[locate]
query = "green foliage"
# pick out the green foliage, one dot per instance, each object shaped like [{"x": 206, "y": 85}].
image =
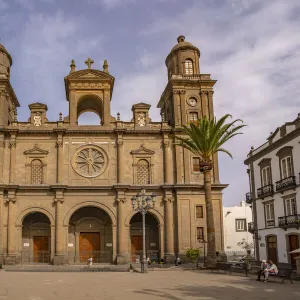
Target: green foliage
[
  {"x": 192, "y": 254},
  {"x": 207, "y": 137}
]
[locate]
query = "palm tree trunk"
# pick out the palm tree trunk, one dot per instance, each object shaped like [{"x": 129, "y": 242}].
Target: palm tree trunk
[{"x": 211, "y": 258}]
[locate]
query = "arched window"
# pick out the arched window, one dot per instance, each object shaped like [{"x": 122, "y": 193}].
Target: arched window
[
  {"x": 37, "y": 172},
  {"x": 188, "y": 65},
  {"x": 193, "y": 117},
  {"x": 143, "y": 172}
]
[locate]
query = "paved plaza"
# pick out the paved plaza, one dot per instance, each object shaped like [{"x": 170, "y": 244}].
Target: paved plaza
[{"x": 168, "y": 285}]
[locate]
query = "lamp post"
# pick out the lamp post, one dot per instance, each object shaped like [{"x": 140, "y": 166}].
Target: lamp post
[{"x": 143, "y": 204}]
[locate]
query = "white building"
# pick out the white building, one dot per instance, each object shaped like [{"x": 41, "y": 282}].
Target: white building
[
  {"x": 235, "y": 220},
  {"x": 273, "y": 170}
]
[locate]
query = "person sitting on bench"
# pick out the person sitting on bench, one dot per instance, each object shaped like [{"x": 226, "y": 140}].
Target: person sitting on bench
[
  {"x": 263, "y": 267},
  {"x": 271, "y": 270}
]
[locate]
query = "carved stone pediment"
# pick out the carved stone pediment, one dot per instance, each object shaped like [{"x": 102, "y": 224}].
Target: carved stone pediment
[
  {"x": 142, "y": 150},
  {"x": 36, "y": 150},
  {"x": 89, "y": 74}
]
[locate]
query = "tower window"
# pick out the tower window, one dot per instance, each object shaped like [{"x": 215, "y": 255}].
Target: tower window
[
  {"x": 143, "y": 172},
  {"x": 196, "y": 164},
  {"x": 36, "y": 172},
  {"x": 188, "y": 65},
  {"x": 193, "y": 116}
]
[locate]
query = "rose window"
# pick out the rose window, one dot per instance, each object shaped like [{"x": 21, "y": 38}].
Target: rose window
[{"x": 89, "y": 162}]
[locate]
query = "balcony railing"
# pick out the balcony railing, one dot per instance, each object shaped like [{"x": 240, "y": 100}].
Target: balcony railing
[
  {"x": 270, "y": 223},
  {"x": 265, "y": 191},
  {"x": 251, "y": 227},
  {"x": 248, "y": 198},
  {"x": 285, "y": 183},
  {"x": 289, "y": 221}
]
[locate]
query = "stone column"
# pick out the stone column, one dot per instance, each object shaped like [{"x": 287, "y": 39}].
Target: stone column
[
  {"x": 77, "y": 249},
  {"x": 177, "y": 109},
  {"x": 59, "y": 234},
  {"x": 2, "y": 145},
  {"x": 60, "y": 162},
  {"x": 183, "y": 108},
  {"x": 204, "y": 102},
  {"x": 106, "y": 108},
  {"x": 210, "y": 104},
  {"x": 120, "y": 161},
  {"x": 169, "y": 225},
  {"x": 122, "y": 256},
  {"x": 167, "y": 163},
  {"x": 11, "y": 229},
  {"x": 12, "y": 171},
  {"x": 3, "y": 108},
  {"x": 1, "y": 226}
]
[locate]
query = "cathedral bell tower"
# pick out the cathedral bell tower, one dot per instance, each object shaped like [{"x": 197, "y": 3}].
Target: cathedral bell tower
[
  {"x": 188, "y": 95},
  {"x": 8, "y": 99},
  {"x": 89, "y": 90}
]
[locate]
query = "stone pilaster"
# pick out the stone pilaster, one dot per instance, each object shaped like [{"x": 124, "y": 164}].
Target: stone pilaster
[
  {"x": 1, "y": 225},
  {"x": 177, "y": 110},
  {"x": 77, "y": 249},
  {"x": 11, "y": 229},
  {"x": 120, "y": 161},
  {"x": 204, "y": 101},
  {"x": 106, "y": 108},
  {"x": 122, "y": 242},
  {"x": 3, "y": 108},
  {"x": 183, "y": 107},
  {"x": 12, "y": 170},
  {"x": 210, "y": 104},
  {"x": 2, "y": 146},
  {"x": 167, "y": 160},
  {"x": 169, "y": 231},
  {"x": 60, "y": 161},
  {"x": 59, "y": 258}
]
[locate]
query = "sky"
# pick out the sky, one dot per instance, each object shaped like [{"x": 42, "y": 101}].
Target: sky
[{"x": 251, "y": 47}]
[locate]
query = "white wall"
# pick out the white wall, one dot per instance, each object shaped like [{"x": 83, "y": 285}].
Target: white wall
[{"x": 231, "y": 236}]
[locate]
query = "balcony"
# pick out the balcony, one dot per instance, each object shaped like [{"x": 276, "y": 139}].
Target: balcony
[
  {"x": 286, "y": 183},
  {"x": 248, "y": 198},
  {"x": 251, "y": 227},
  {"x": 289, "y": 221},
  {"x": 265, "y": 191},
  {"x": 270, "y": 223}
]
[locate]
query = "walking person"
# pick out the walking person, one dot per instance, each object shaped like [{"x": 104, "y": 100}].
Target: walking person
[{"x": 261, "y": 272}]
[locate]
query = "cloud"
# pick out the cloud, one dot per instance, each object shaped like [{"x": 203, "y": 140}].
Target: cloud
[
  {"x": 111, "y": 4},
  {"x": 3, "y": 5}
]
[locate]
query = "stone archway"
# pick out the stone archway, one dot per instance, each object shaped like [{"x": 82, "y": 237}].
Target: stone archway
[
  {"x": 153, "y": 237},
  {"x": 90, "y": 235},
  {"x": 36, "y": 238}
]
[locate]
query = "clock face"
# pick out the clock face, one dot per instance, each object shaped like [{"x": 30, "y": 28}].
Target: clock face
[{"x": 192, "y": 102}]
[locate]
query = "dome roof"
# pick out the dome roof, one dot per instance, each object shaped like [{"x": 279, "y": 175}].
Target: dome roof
[
  {"x": 182, "y": 44},
  {"x": 3, "y": 49}
]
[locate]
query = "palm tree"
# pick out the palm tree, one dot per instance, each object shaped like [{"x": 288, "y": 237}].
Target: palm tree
[{"x": 205, "y": 139}]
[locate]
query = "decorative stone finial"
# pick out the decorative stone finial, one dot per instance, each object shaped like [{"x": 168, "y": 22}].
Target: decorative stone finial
[
  {"x": 181, "y": 39},
  {"x": 118, "y": 116},
  {"x": 105, "y": 66},
  {"x": 252, "y": 148},
  {"x": 89, "y": 62},
  {"x": 271, "y": 133},
  {"x": 60, "y": 116},
  {"x": 72, "y": 66}
]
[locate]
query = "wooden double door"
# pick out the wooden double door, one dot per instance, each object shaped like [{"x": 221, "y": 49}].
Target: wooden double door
[
  {"x": 89, "y": 246},
  {"x": 293, "y": 245},
  {"x": 41, "y": 251},
  {"x": 136, "y": 246}
]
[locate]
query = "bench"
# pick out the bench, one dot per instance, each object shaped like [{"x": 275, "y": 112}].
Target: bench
[
  {"x": 283, "y": 274},
  {"x": 222, "y": 266}
]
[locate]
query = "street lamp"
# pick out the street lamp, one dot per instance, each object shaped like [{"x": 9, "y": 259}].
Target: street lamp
[
  {"x": 143, "y": 204},
  {"x": 204, "y": 242}
]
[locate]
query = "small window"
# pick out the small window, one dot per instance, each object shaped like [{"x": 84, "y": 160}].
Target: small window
[
  {"x": 266, "y": 176},
  {"x": 193, "y": 116},
  {"x": 196, "y": 164},
  {"x": 200, "y": 233},
  {"x": 240, "y": 224},
  {"x": 36, "y": 172},
  {"x": 290, "y": 207},
  {"x": 188, "y": 65},
  {"x": 286, "y": 167},
  {"x": 143, "y": 172},
  {"x": 199, "y": 212}
]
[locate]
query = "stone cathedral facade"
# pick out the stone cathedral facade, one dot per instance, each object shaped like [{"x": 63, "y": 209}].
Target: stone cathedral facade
[{"x": 66, "y": 189}]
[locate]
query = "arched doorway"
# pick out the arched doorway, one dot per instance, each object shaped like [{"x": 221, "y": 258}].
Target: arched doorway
[
  {"x": 293, "y": 244},
  {"x": 36, "y": 239},
  {"x": 90, "y": 236},
  {"x": 152, "y": 237},
  {"x": 272, "y": 248}
]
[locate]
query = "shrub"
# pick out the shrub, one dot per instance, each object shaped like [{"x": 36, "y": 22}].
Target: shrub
[{"x": 192, "y": 254}]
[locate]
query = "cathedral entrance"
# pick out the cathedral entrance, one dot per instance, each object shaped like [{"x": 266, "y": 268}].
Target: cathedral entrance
[
  {"x": 90, "y": 236},
  {"x": 152, "y": 237},
  {"x": 36, "y": 239}
]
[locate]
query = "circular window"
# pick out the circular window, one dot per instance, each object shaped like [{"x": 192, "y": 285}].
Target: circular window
[{"x": 89, "y": 162}]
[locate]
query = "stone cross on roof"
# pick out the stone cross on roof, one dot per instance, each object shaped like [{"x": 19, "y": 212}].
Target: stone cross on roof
[{"x": 89, "y": 62}]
